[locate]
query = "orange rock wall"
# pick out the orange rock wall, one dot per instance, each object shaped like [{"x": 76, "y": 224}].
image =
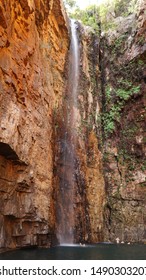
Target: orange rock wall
[
  {"x": 89, "y": 152},
  {"x": 33, "y": 47}
]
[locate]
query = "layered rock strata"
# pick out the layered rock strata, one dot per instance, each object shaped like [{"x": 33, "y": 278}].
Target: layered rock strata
[
  {"x": 123, "y": 65},
  {"x": 33, "y": 47}
]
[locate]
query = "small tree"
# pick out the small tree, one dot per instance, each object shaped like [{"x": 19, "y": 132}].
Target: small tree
[{"x": 70, "y": 3}]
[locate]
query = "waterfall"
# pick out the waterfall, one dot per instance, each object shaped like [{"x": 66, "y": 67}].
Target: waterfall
[
  {"x": 66, "y": 193},
  {"x": 74, "y": 70},
  {"x": 73, "y": 78}
]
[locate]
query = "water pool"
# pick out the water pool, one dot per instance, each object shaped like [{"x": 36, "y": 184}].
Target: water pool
[{"x": 77, "y": 252}]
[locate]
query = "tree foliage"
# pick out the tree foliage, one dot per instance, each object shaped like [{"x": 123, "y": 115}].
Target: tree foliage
[
  {"x": 105, "y": 13},
  {"x": 124, "y": 7},
  {"x": 89, "y": 16},
  {"x": 70, "y": 3}
]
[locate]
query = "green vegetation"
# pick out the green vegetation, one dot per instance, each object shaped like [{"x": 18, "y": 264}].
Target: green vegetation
[
  {"x": 112, "y": 114},
  {"x": 119, "y": 44},
  {"x": 101, "y": 18},
  {"x": 109, "y": 119},
  {"x": 141, "y": 63},
  {"x": 70, "y": 3},
  {"x": 124, "y": 7},
  {"x": 103, "y": 13},
  {"x": 141, "y": 40},
  {"x": 126, "y": 94}
]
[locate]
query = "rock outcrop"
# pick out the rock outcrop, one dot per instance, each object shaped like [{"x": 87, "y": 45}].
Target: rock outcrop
[
  {"x": 34, "y": 41},
  {"x": 124, "y": 89}
]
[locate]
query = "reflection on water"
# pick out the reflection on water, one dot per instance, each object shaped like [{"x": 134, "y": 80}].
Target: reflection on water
[{"x": 91, "y": 252}]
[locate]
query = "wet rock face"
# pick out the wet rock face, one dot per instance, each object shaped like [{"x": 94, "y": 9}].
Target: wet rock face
[
  {"x": 33, "y": 47},
  {"x": 89, "y": 191},
  {"x": 124, "y": 121},
  {"x": 90, "y": 166}
]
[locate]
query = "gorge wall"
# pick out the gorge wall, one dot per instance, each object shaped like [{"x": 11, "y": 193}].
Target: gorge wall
[
  {"x": 123, "y": 96},
  {"x": 89, "y": 188},
  {"x": 34, "y": 41},
  {"x": 34, "y": 73},
  {"x": 109, "y": 198}
]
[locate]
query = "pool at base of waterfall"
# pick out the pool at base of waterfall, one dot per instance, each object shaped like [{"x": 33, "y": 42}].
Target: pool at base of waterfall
[{"x": 80, "y": 252}]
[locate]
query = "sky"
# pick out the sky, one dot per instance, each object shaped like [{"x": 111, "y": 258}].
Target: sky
[{"x": 84, "y": 3}]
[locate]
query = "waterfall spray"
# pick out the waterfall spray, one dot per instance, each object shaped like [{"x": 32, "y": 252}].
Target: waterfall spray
[{"x": 65, "y": 213}]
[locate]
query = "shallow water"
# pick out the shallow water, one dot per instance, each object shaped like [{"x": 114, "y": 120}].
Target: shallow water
[{"x": 91, "y": 252}]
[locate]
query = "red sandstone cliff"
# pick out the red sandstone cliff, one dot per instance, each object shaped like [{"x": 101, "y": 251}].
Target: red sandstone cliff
[
  {"x": 124, "y": 69},
  {"x": 33, "y": 47}
]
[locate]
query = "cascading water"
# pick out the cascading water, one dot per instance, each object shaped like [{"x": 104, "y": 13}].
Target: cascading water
[{"x": 66, "y": 193}]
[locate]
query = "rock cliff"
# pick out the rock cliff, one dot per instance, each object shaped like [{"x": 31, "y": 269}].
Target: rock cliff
[
  {"x": 34, "y": 41},
  {"x": 89, "y": 187},
  {"x": 109, "y": 168},
  {"x": 34, "y": 73},
  {"x": 123, "y": 67}
]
